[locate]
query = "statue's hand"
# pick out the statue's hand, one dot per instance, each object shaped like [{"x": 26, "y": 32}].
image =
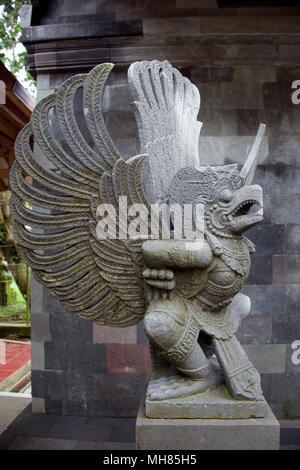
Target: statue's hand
[{"x": 159, "y": 279}]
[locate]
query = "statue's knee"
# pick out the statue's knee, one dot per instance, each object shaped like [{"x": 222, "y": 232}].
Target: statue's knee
[
  {"x": 161, "y": 329},
  {"x": 243, "y": 305}
]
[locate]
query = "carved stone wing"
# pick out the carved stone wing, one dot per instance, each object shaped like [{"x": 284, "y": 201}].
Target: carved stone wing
[
  {"x": 167, "y": 105},
  {"x": 54, "y": 204}
]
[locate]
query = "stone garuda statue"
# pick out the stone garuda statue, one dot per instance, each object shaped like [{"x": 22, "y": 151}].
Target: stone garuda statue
[{"x": 185, "y": 290}]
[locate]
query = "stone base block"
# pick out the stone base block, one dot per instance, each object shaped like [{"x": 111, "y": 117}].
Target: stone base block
[
  {"x": 216, "y": 403},
  {"x": 207, "y": 434}
]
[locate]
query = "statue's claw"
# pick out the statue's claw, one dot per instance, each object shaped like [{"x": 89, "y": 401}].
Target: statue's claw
[
  {"x": 171, "y": 384},
  {"x": 159, "y": 278},
  {"x": 160, "y": 282},
  {"x": 161, "y": 274},
  {"x": 247, "y": 385}
]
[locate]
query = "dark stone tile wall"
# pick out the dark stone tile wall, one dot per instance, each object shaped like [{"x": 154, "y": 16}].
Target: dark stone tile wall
[{"x": 244, "y": 79}]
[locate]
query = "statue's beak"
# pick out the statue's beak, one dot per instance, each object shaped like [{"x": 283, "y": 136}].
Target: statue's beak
[{"x": 248, "y": 170}]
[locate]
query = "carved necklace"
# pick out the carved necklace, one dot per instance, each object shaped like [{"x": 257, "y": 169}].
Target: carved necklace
[{"x": 237, "y": 261}]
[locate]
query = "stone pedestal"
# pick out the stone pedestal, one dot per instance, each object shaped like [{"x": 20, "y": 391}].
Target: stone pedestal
[
  {"x": 216, "y": 403},
  {"x": 207, "y": 434}
]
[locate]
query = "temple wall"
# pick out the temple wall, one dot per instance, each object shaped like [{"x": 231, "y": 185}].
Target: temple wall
[{"x": 244, "y": 61}]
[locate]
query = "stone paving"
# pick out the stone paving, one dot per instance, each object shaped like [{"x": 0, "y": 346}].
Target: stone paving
[
  {"x": 13, "y": 355},
  {"x": 31, "y": 431},
  {"x": 53, "y": 432}
]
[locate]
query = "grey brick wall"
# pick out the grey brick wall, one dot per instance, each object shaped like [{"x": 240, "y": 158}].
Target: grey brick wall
[{"x": 244, "y": 78}]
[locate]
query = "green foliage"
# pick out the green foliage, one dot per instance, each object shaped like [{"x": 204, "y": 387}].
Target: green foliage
[
  {"x": 12, "y": 53},
  {"x": 11, "y": 252},
  {"x": 13, "y": 256},
  {"x": 2, "y": 234}
]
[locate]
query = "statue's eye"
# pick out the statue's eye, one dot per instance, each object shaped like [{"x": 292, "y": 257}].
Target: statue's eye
[{"x": 226, "y": 195}]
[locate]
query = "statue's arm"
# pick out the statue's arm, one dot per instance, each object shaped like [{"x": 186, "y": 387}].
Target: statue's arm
[
  {"x": 179, "y": 254},
  {"x": 162, "y": 256}
]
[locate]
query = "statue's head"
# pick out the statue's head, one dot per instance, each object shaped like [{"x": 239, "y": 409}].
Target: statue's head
[
  {"x": 232, "y": 204},
  {"x": 234, "y": 210}
]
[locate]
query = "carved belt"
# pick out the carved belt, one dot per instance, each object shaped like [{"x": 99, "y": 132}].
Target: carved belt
[{"x": 224, "y": 291}]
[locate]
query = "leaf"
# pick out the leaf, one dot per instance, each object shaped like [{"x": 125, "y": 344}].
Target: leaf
[{"x": 10, "y": 31}]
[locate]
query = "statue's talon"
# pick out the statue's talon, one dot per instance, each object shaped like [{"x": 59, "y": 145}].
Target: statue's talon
[
  {"x": 177, "y": 385},
  {"x": 247, "y": 386}
]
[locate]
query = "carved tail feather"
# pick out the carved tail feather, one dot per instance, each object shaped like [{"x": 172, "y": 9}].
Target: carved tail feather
[
  {"x": 167, "y": 106},
  {"x": 241, "y": 377}
]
